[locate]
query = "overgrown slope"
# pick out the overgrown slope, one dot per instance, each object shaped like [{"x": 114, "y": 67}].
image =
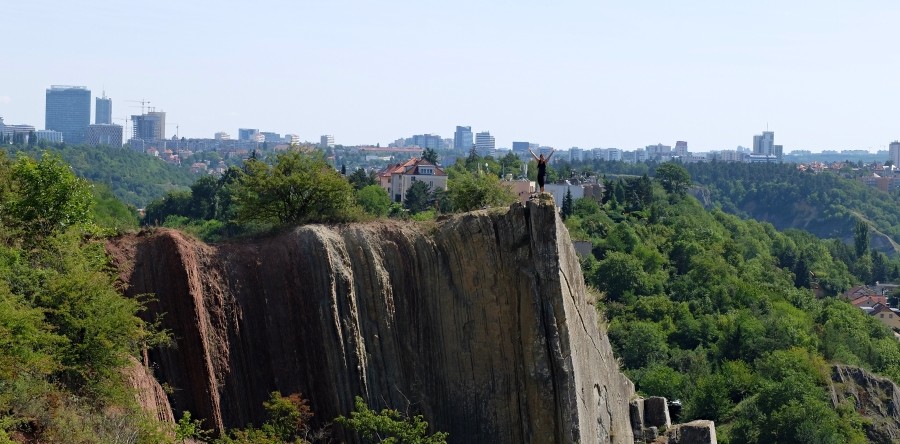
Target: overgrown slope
[{"x": 720, "y": 313}]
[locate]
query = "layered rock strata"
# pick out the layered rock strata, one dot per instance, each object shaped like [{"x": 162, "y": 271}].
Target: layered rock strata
[{"x": 481, "y": 323}]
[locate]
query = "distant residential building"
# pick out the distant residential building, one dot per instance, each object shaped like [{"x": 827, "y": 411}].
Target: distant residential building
[
  {"x": 431, "y": 141},
  {"x": 271, "y": 137},
  {"x": 894, "y": 152},
  {"x": 105, "y": 134},
  {"x": 640, "y": 155},
  {"x": 248, "y": 134},
  {"x": 103, "y": 110},
  {"x": 48, "y": 136},
  {"x": 149, "y": 127},
  {"x": 222, "y": 135},
  {"x": 16, "y": 133},
  {"x": 521, "y": 148},
  {"x": 887, "y": 315},
  {"x": 68, "y": 110},
  {"x": 292, "y": 139},
  {"x": 559, "y": 190},
  {"x": 326, "y": 141},
  {"x": 396, "y": 179},
  {"x": 613, "y": 154},
  {"x": 764, "y": 145},
  {"x": 681, "y": 148},
  {"x": 484, "y": 143},
  {"x": 659, "y": 151},
  {"x": 522, "y": 188},
  {"x": 462, "y": 138},
  {"x": 576, "y": 154}
]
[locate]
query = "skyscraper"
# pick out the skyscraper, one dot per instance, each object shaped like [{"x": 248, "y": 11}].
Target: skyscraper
[
  {"x": 462, "y": 138},
  {"x": 894, "y": 150},
  {"x": 150, "y": 126},
  {"x": 764, "y": 144},
  {"x": 103, "y": 111},
  {"x": 326, "y": 141},
  {"x": 104, "y": 134},
  {"x": 484, "y": 143},
  {"x": 68, "y": 110}
]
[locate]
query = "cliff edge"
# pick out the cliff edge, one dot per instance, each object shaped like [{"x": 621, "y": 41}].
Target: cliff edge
[{"x": 480, "y": 323}]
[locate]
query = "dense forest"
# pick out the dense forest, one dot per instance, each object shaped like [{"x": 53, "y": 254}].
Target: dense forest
[
  {"x": 720, "y": 312},
  {"x": 825, "y": 204},
  {"x": 133, "y": 177}
]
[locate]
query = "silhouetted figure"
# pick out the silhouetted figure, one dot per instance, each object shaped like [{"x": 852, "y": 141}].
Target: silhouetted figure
[{"x": 542, "y": 166}]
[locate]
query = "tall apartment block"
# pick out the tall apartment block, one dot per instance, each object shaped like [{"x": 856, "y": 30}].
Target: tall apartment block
[
  {"x": 894, "y": 151},
  {"x": 484, "y": 143},
  {"x": 68, "y": 110},
  {"x": 150, "y": 126},
  {"x": 462, "y": 138},
  {"x": 103, "y": 110}
]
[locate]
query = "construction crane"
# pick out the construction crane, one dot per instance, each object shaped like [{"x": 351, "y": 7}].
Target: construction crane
[
  {"x": 142, "y": 102},
  {"x": 176, "y": 129},
  {"x": 125, "y": 134}
]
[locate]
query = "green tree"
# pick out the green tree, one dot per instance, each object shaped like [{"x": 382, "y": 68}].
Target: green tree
[
  {"x": 674, "y": 178},
  {"x": 299, "y": 188},
  {"x": 374, "y": 200},
  {"x": 389, "y": 426},
  {"x": 510, "y": 164},
  {"x": 186, "y": 428},
  {"x": 567, "y": 204},
  {"x": 48, "y": 196},
  {"x": 430, "y": 155},
  {"x": 288, "y": 415},
  {"x": 360, "y": 179},
  {"x": 471, "y": 191},
  {"x": 418, "y": 197},
  {"x": 861, "y": 238}
]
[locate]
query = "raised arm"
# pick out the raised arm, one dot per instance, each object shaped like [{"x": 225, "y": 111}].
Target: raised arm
[
  {"x": 551, "y": 154},
  {"x": 532, "y": 155}
]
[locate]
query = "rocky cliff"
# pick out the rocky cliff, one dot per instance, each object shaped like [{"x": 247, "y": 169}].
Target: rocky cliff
[
  {"x": 480, "y": 322},
  {"x": 875, "y": 398}
]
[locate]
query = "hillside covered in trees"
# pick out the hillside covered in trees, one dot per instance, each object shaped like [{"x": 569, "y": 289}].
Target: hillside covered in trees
[
  {"x": 824, "y": 204},
  {"x": 721, "y": 313},
  {"x": 133, "y": 177}
]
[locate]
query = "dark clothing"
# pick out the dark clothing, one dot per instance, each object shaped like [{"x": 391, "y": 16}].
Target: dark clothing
[{"x": 542, "y": 172}]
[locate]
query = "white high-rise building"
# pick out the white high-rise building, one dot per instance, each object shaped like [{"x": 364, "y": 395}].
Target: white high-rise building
[
  {"x": 484, "y": 143},
  {"x": 894, "y": 151},
  {"x": 326, "y": 141},
  {"x": 222, "y": 135}
]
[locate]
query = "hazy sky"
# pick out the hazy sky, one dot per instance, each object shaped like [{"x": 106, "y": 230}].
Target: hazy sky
[{"x": 822, "y": 74}]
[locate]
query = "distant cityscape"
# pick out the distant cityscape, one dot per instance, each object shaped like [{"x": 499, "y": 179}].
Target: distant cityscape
[{"x": 68, "y": 115}]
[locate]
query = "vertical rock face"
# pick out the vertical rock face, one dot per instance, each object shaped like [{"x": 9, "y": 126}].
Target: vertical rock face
[
  {"x": 874, "y": 397},
  {"x": 480, "y": 323}
]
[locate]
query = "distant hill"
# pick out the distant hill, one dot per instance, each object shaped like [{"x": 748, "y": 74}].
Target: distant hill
[
  {"x": 135, "y": 178},
  {"x": 824, "y": 204}
]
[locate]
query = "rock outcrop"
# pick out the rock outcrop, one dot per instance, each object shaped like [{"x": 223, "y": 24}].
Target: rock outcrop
[
  {"x": 481, "y": 323},
  {"x": 873, "y": 397}
]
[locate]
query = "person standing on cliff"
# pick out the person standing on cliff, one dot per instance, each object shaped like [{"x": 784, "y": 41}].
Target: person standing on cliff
[{"x": 542, "y": 166}]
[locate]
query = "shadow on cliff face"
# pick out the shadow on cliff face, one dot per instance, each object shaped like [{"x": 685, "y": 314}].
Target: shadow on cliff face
[{"x": 481, "y": 325}]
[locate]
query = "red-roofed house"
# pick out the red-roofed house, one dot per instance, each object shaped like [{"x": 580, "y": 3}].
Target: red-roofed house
[
  {"x": 858, "y": 292},
  {"x": 888, "y": 316},
  {"x": 869, "y": 301},
  {"x": 397, "y": 178}
]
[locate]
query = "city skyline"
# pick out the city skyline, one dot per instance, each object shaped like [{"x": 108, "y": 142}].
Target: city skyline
[{"x": 580, "y": 74}]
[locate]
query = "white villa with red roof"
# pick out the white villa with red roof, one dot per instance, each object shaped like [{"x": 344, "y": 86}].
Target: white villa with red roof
[{"x": 396, "y": 179}]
